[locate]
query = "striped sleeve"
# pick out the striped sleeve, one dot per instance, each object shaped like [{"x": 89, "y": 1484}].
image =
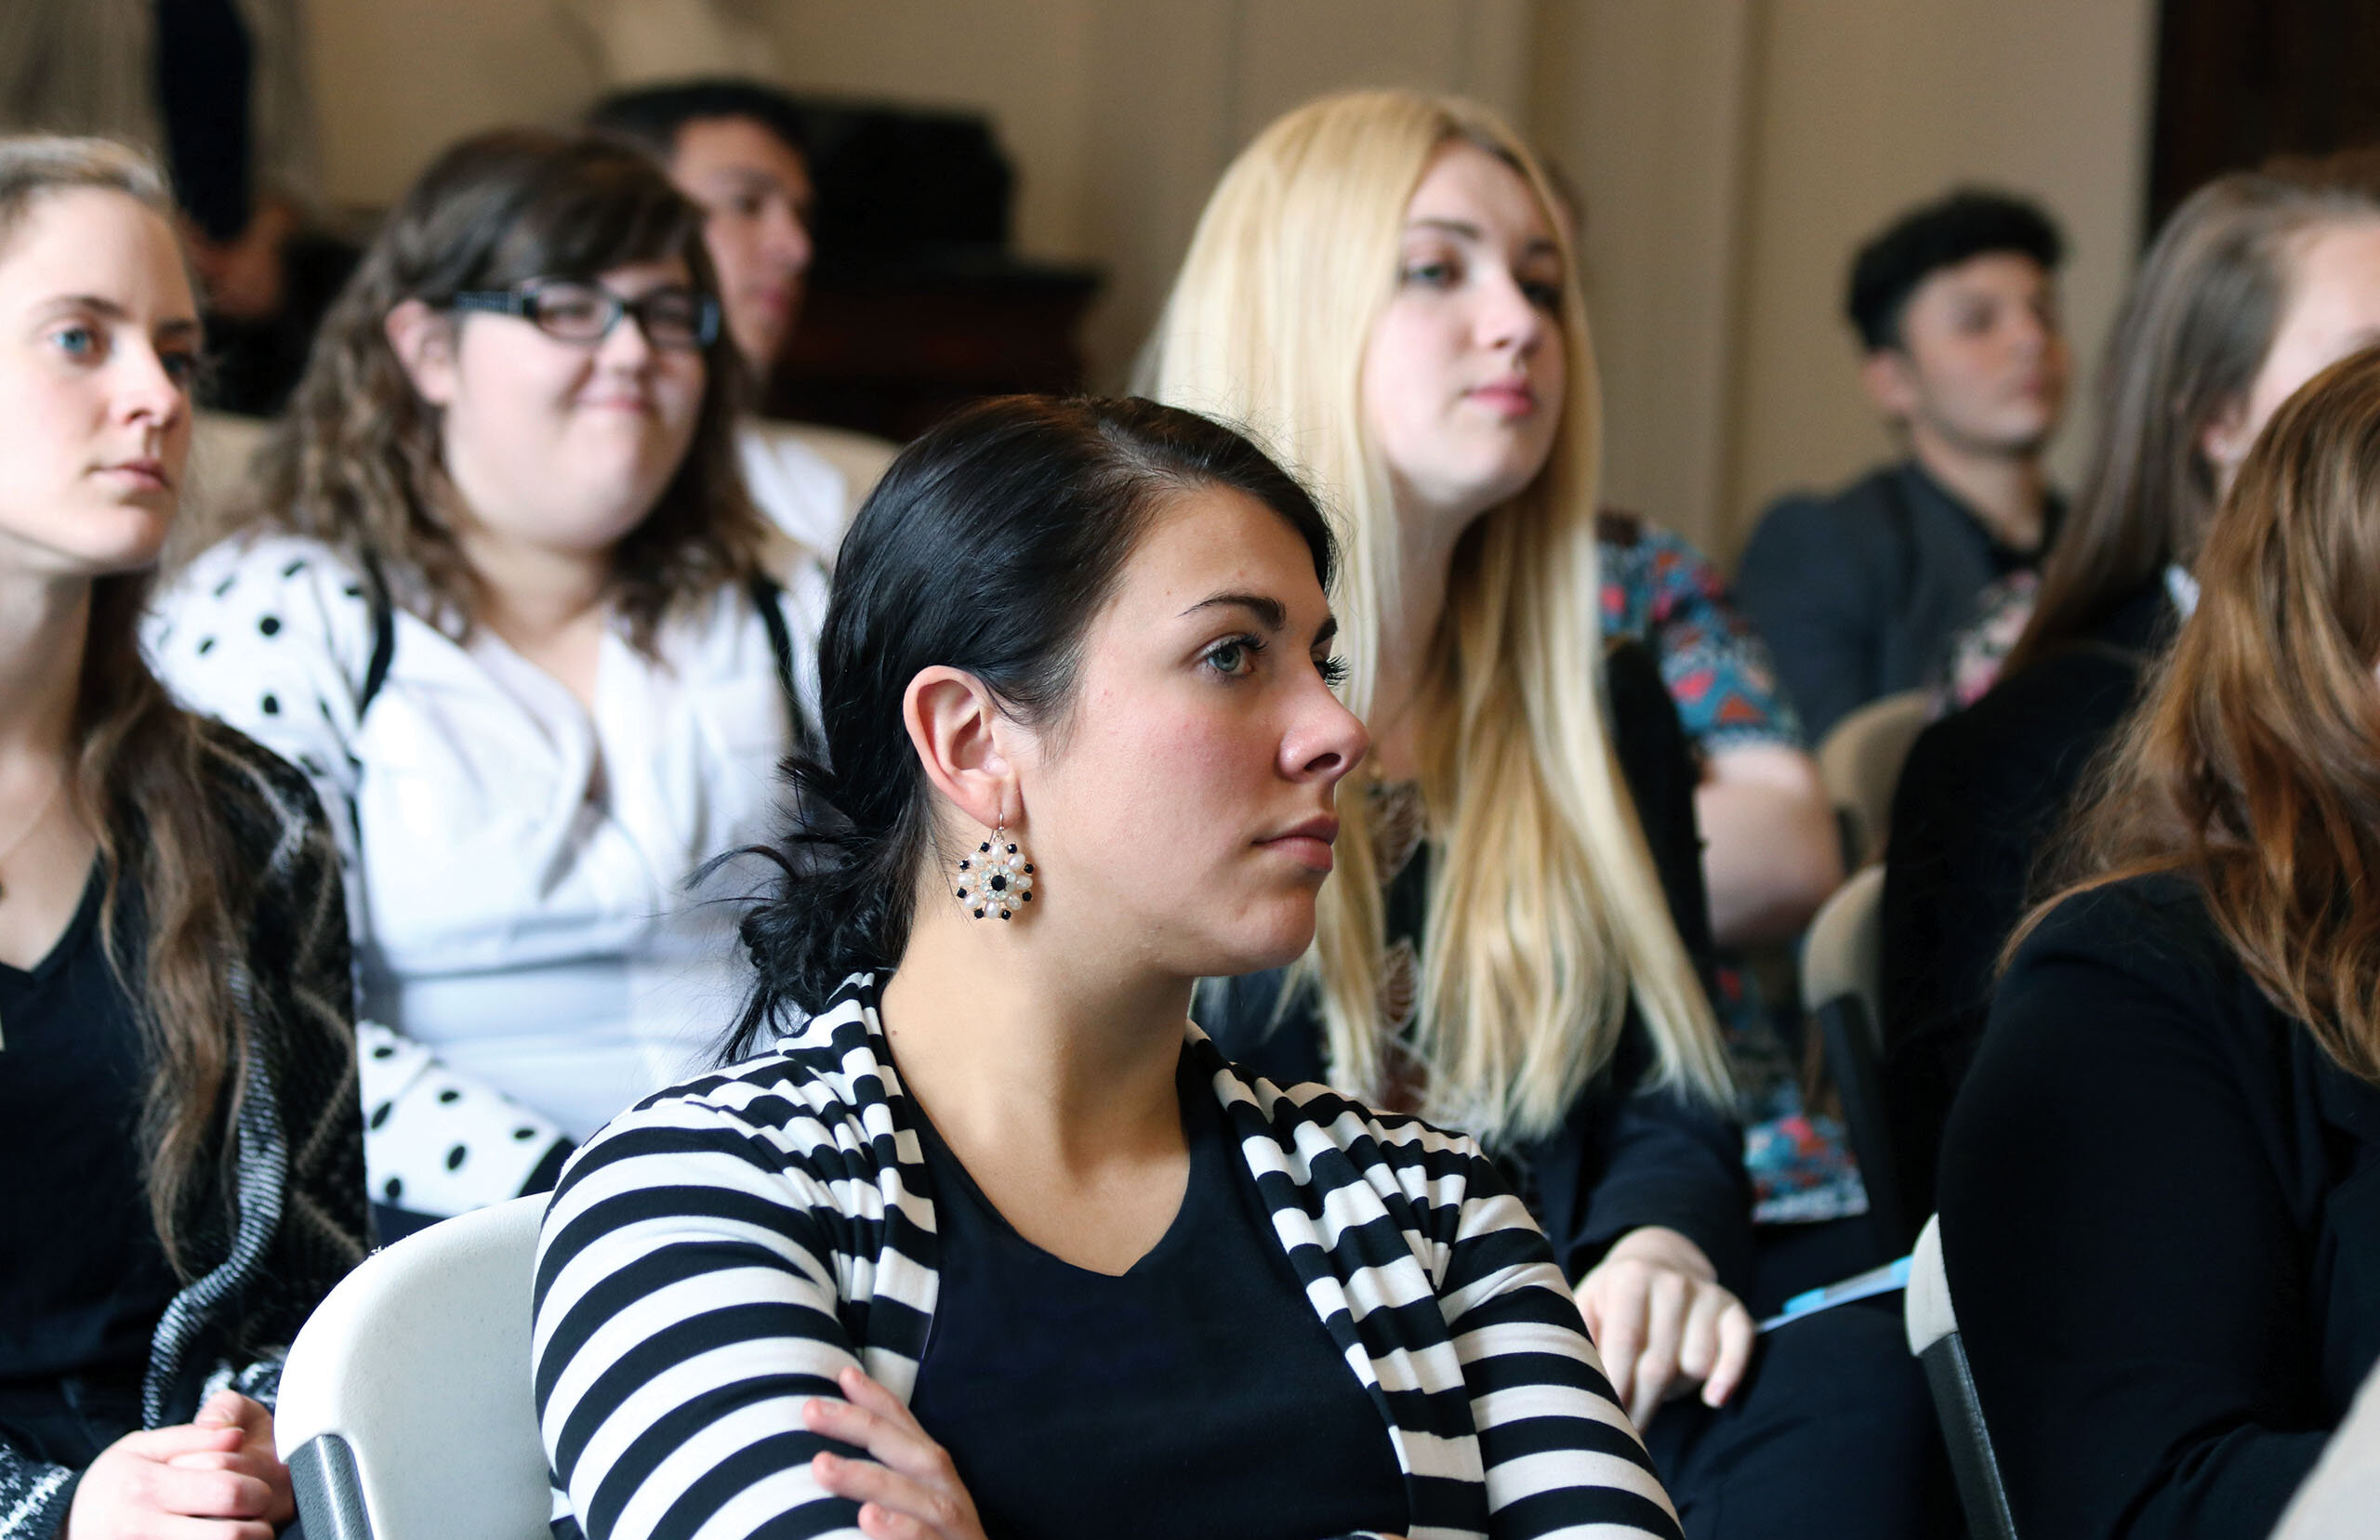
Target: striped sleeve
[
  {"x": 1561, "y": 1456},
  {"x": 685, "y": 1309}
]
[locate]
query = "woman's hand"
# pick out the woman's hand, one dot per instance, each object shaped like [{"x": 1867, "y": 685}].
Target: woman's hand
[
  {"x": 1661, "y": 1323},
  {"x": 202, "y": 1481},
  {"x": 254, "y": 1456},
  {"x": 909, "y": 1490}
]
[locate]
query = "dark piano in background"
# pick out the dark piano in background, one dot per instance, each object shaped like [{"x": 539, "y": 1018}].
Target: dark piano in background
[{"x": 917, "y": 304}]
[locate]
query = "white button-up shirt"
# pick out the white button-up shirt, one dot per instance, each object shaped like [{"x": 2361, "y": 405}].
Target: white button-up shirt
[{"x": 518, "y": 862}]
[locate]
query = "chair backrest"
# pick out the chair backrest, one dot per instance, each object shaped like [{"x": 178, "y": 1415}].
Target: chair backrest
[
  {"x": 1860, "y": 762},
  {"x": 1843, "y": 954},
  {"x": 405, "y": 1409},
  {"x": 2339, "y": 1496},
  {"x": 1840, "y": 993},
  {"x": 1934, "y": 1337}
]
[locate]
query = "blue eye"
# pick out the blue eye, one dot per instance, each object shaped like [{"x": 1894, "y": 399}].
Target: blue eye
[
  {"x": 1235, "y": 657},
  {"x": 1435, "y": 275},
  {"x": 180, "y": 367},
  {"x": 76, "y": 341}
]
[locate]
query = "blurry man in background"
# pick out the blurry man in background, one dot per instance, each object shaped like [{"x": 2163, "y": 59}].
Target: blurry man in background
[
  {"x": 736, "y": 148},
  {"x": 1858, "y": 594},
  {"x": 217, "y": 91}
]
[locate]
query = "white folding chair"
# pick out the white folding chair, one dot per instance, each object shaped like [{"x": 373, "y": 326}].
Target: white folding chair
[
  {"x": 405, "y": 1409},
  {"x": 1860, "y": 763},
  {"x": 1842, "y": 994},
  {"x": 1934, "y": 1337},
  {"x": 2342, "y": 1493}
]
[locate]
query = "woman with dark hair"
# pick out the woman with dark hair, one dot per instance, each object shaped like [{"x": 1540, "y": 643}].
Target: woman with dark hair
[
  {"x": 502, "y": 597},
  {"x": 2158, "y": 1186},
  {"x": 996, "y": 1243},
  {"x": 2257, "y": 281},
  {"x": 177, "y": 1109},
  {"x": 1380, "y": 288}
]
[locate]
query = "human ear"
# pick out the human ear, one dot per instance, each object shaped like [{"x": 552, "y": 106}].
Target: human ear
[
  {"x": 955, "y": 726},
  {"x": 1890, "y": 379},
  {"x": 424, "y": 342},
  {"x": 2224, "y": 437}
]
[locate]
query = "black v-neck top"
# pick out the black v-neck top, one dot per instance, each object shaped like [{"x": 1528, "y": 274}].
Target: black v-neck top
[
  {"x": 1216, "y": 1403},
  {"x": 83, "y": 1278}
]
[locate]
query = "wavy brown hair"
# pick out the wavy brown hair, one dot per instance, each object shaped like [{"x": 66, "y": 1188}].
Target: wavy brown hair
[
  {"x": 2194, "y": 331},
  {"x": 145, "y": 778},
  {"x": 358, "y": 462},
  {"x": 2254, "y": 765}
]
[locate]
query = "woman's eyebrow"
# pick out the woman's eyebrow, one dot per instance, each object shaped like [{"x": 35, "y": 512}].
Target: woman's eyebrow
[
  {"x": 1269, "y": 612},
  {"x": 108, "y": 309},
  {"x": 1327, "y": 632}
]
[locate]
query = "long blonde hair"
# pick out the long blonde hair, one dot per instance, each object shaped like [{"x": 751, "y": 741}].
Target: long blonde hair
[{"x": 1546, "y": 917}]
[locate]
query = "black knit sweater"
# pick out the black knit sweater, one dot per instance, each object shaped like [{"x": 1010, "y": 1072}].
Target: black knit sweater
[{"x": 266, "y": 1243}]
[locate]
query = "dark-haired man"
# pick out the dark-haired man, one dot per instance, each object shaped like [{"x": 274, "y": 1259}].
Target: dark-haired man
[
  {"x": 1858, "y": 594},
  {"x": 735, "y": 146}
]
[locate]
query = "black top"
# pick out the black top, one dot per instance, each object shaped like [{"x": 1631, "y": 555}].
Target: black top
[
  {"x": 1982, "y": 793},
  {"x": 2161, "y": 1215},
  {"x": 1217, "y": 1406},
  {"x": 205, "y": 61},
  {"x": 1858, "y": 594},
  {"x": 83, "y": 1279},
  {"x": 1622, "y": 1158}
]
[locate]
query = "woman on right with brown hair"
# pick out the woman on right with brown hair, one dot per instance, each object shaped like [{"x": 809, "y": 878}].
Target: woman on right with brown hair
[
  {"x": 2259, "y": 279},
  {"x": 2161, "y": 1186}
]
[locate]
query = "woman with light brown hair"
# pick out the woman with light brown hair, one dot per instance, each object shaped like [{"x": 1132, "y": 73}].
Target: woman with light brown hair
[
  {"x": 503, "y": 597},
  {"x": 178, "y": 1105},
  {"x": 2258, "y": 281},
  {"x": 2158, "y": 1194},
  {"x": 1379, "y": 291}
]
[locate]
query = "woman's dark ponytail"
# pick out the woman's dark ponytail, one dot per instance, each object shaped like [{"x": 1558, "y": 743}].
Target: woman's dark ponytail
[{"x": 989, "y": 546}]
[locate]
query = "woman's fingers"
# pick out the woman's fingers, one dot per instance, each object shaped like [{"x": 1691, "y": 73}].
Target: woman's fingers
[
  {"x": 1698, "y": 1351},
  {"x": 208, "y": 1493},
  {"x": 175, "y": 1528},
  {"x": 1666, "y": 1300},
  {"x": 1616, "y": 1317},
  {"x": 900, "y": 1444},
  {"x": 862, "y": 1390},
  {"x": 163, "y": 1443},
  {"x": 1737, "y": 1335},
  {"x": 926, "y": 1512}
]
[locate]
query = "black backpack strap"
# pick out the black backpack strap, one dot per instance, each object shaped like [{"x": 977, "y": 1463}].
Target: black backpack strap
[
  {"x": 767, "y": 598},
  {"x": 384, "y": 633}
]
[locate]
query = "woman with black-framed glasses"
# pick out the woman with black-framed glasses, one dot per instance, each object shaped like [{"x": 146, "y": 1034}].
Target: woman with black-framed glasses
[{"x": 500, "y": 593}]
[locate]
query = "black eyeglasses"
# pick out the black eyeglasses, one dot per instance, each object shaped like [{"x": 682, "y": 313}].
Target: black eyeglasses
[{"x": 572, "y": 311}]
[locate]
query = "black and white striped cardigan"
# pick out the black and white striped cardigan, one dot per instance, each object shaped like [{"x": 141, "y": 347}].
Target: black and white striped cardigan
[{"x": 715, "y": 1255}]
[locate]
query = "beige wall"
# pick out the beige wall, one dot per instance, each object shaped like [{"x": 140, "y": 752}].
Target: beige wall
[
  {"x": 1730, "y": 153},
  {"x": 1863, "y": 108}
]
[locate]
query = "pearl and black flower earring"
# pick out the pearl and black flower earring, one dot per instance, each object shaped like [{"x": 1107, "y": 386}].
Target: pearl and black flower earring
[{"x": 996, "y": 876}]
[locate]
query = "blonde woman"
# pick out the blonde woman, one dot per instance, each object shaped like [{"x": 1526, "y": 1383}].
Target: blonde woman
[{"x": 1378, "y": 291}]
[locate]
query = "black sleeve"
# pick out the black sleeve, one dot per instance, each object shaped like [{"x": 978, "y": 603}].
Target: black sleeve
[
  {"x": 1658, "y": 762},
  {"x": 1626, "y": 1157},
  {"x": 1981, "y": 798},
  {"x": 1669, "y": 1161},
  {"x": 2119, "y": 1243},
  {"x": 1801, "y": 585},
  {"x": 1948, "y": 901}
]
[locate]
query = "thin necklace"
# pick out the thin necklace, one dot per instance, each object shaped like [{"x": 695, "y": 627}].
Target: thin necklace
[{"x": 41, "y": 815}]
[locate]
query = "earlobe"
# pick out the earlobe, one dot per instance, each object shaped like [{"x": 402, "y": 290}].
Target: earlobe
[
  {"x": 954, "y": 725},
  {"x": 424, "y": 342},
  {"x": 1885, "y": 375},
  {"x": 2218, "y": 436}
]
